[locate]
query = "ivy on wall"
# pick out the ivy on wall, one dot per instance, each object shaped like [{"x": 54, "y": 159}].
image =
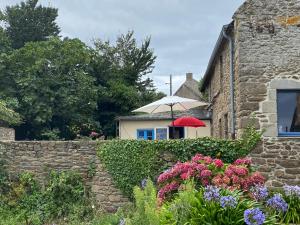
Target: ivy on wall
[{"x": 131, "y": 161}]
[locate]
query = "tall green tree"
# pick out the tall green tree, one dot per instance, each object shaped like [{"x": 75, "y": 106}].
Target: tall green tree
[
  {"x": 5, "y": 43},
  {"x": 120, "y": 70},
  {"x": 56, "y": 94},
  {"x": 8, "y": 116},
  {"x": 28, "y": 21}
]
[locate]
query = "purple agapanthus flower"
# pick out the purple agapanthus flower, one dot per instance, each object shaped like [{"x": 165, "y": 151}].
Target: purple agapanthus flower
[
  {"x": 259, "y": 192},
  {"x": 211, "y": 193},
  {"x": 254, "y": 217},
  {"x": 228, "y": 202},
  {"x": 292, "y": 190},
  {"x": 277, "y": 203}
]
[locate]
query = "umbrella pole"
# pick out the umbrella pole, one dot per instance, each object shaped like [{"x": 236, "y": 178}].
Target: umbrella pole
[{"x": 172, "y": 116}]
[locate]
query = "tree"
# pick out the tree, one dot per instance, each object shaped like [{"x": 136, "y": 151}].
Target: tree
[
  {"x": 119, "y": 70},
  {"x": 51, "y": 81},
  {"x": 8, "y": 116},
  {"x": 27, "y": 21},
  {"x": 5, "y": 44}
]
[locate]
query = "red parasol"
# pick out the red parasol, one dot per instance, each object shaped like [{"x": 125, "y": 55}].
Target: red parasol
[{"x": 188, "y": 122}]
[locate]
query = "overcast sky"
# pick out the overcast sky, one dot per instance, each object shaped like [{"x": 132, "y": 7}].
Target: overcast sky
[{"x": 183, "y": 32}]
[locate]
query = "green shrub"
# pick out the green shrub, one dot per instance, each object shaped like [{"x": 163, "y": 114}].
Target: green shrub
[
  {"x": 292, "y": 196},
  {"x": 63, "y": 198},
  {"x": 191, "y": 207},
  {"x": 131, "y": 161},
  {"x": 145, "y": 206}
]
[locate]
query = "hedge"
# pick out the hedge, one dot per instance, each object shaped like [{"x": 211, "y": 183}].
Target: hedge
[{"x": 131, "y": 161}]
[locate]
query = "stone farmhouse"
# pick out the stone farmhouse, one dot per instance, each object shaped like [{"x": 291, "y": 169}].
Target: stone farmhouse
[{"x": 253, "y": 76}]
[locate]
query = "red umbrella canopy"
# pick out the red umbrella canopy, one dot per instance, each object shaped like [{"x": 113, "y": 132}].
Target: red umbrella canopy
[{"x": 188, "y": 122}]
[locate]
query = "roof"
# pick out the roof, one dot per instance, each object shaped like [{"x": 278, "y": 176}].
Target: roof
[
  {"x": 198, "y": 113},
  {"x": 220, "y": 42},
  {"x": 193, "y": 88}
]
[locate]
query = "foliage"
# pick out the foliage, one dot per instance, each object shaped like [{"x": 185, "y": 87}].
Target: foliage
[
  {"x": 4, "y": 180},
  {"x": 251, "y": 136},
  {"x": 145, "y": 212},
  {"x": 119, "y": 70},
  {"x": 5, "y": 43},
  {"x": 191, "y": 207},
  {"x": 131, "y": 161},
  {"x": 64, "y": 89},
  {"x": 63, "y": 197},
  {"x": 8, "y": 115},
  {"x": 207, "y": 171},
  {"x": 292, "y": 196},
  {"x": 56, "y": 95},
  {"x": 29, "y": 22},
  {"x": 194, "y": 205}
]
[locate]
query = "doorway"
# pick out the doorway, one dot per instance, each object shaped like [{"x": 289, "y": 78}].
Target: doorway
[{"x": 176, "y": 132}]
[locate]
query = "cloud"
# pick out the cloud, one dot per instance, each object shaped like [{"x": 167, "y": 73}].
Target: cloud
[{"x": 183, "y": 32}]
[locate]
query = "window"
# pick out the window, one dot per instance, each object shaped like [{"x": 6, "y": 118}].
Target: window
[
  {"x": 288, "y": 108},
  {"x": 161, "y": 134},
  {"x": 146, "y": 134}
]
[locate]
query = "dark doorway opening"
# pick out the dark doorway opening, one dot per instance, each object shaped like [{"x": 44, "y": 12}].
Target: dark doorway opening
[{"x": 176, "y": 132}]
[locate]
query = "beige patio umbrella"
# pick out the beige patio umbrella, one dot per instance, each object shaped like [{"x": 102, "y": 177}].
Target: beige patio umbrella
[{"x": 170, "y": 104}]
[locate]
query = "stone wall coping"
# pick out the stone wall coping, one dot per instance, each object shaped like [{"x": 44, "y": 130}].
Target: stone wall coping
[{"x": 71, "y": 141}]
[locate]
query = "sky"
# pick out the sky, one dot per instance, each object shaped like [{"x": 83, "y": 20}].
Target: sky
[{"x": 183, "y": 32}]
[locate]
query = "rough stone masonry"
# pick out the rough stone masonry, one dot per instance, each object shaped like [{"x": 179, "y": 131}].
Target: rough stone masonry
[{"x": 40, "y": 157}]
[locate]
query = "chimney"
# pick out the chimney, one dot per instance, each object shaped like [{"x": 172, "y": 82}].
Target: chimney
[{"x": 189, "y": 76}]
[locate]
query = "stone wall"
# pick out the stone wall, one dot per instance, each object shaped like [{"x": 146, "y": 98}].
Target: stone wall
[
  {"x": 219, "y": 93},
  {"x": 44, "y": 156},
  {"x": 279, "y": 160},
  {"x": 268, "y": 59},
  {"x": 7, "y": 134}
]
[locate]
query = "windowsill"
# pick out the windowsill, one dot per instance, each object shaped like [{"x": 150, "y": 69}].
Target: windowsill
[{"x": 289, "y": 134}]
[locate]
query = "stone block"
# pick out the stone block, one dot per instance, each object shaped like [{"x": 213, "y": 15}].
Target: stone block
[
  {"x": 114, "y": 198},
  {"x": 295, "y": 171},
  {"x": 288, "y": 163},
  {"x": 269, "y": 107}
]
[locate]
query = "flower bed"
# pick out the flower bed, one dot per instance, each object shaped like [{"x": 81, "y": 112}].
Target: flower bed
[
  {"x": 207, "y": 171},
  {"x": 208, "y": 191}
]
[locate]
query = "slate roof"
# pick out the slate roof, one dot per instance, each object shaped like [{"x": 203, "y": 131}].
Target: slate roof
[
  {"x": 198, "y": 113},
  {"x": 193, "y": 87},
  {"x": 211, "y": 64}
]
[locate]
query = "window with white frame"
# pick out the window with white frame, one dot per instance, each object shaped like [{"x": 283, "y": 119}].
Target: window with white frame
[
  {"x": 288, "y": 110},
  {"x": 161, "y": 133}
]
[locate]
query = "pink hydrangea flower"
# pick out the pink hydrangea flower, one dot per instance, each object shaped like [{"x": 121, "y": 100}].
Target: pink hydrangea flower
[
  {"x": 244, "y": 161},
  {"x": 218, "y": 163},
  {"x": 207, "y": 159},
  {"x": 205, "y": 173},
  {"x": 197, "y": 158}
]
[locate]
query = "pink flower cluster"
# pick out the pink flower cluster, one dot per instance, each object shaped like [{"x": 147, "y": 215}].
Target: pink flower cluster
[
  {"x": 207, "y": 171},
  {"x": 173, "y": 186},
  {"x": 94, "y": 134}
]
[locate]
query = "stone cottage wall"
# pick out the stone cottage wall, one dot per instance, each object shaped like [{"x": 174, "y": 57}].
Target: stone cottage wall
[
  {"x": 42, "y": 157},
  {"x": 278, "y": 159},
  {"x": 220, "y": 93},
  {"x": 268, "y": 58}
]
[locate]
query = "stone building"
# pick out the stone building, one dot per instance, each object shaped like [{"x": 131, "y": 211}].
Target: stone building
[{"x": 253, "y": 76}]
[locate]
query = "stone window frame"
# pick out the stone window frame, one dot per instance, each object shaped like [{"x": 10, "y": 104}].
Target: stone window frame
[{"x": 269, "y": 106}]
